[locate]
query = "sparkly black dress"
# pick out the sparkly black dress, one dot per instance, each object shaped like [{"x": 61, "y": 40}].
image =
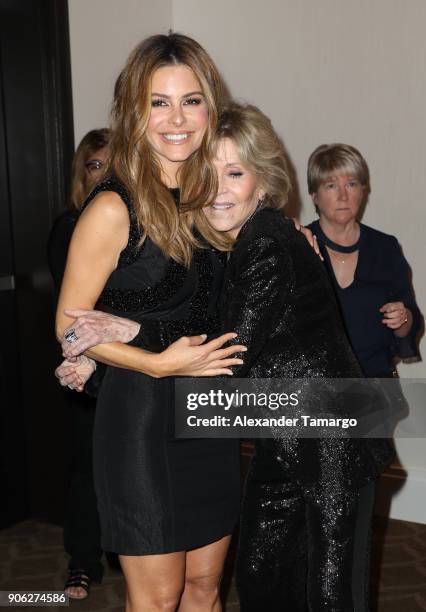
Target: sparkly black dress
[
  {"x": 308, "y": 502},
  {"x": 157, "y": 494}
]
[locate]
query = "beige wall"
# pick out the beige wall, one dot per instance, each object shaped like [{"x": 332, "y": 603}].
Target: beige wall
[{"x": 102, "y": 33}]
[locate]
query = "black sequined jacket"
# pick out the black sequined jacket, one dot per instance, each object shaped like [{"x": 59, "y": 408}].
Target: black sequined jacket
[{"x": 278, "y": 298}]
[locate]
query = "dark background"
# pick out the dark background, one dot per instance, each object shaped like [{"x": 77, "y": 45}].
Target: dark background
[{"x": 36, "y": 148}]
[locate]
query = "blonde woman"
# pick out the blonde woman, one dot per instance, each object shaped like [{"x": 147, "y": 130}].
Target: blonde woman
[
  {"x": 308, "y": 503},
  {"x": 167, "y": 507},
  {"x": 369, "y": 272}
]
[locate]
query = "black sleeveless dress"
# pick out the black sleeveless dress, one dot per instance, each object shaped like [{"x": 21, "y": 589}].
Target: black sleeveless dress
[{"x": 157, "y": 494}]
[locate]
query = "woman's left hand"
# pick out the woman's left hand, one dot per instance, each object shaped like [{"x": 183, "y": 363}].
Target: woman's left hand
[
  {"x": 395, "y": 314},
  {"x": 75, "y": 374},
  {"x": 310, "y": 237}
]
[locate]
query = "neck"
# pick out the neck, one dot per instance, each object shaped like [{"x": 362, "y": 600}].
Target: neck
[
  {"x": 169, "y": 174},
  {"x": 345, "y": 234}
]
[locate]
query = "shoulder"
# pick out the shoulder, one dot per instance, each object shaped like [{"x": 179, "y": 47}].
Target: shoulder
[
  {"x": 267, "y": 223},
  {"x": 376, "y": 242},
  {"x": 103, "y": 222},
  {"x": 263, "y": 242},
  {"x": 113, "y": 196},
  {"x": 380, "y": 238},
  {"x": 108, "y": 205}
]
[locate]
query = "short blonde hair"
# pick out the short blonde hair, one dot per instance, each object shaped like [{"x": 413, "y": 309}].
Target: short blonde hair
[
  {"x": 259, "y": 149},
  {"x": 330, "y": 159}
]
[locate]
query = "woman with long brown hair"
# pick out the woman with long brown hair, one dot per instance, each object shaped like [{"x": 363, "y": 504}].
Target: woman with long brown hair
[{"x": 167, "y": 507}]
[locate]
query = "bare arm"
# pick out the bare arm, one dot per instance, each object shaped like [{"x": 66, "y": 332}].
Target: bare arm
[{"x": 99, "y": 237}]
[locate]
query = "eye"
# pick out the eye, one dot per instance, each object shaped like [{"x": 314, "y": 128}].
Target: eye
[
  {"x": 158, "y": 102},
  {"x": 329, "y": 185},
  {"x": 193, "y": 101},
  {"x": 94, "y": 164},
  {"x": 353, "y": 184},
  {"x": 235, "y": 175}
]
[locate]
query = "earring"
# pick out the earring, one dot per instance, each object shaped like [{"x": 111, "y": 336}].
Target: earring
[{"x": 261, "y": 203}]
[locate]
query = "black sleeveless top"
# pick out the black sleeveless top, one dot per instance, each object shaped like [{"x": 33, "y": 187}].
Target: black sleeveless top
[{"x": 170, "y": 299}]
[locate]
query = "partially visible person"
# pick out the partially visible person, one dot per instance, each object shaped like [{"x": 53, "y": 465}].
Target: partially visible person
[
  {"x": 81, "y": 527},
  {"x": 371, "y": 276}
]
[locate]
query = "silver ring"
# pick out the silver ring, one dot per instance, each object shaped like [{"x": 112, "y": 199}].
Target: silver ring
[
  {"x": 70, "y": 336},
  {"x": 71, "y": 387}
]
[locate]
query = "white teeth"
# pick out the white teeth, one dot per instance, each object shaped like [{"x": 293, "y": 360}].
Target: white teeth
[
  {"x": 176, "y": 137},
  {"x": 222, "y": 206}
]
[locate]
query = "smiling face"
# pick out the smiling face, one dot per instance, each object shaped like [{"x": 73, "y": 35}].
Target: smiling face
[
  {"x": 238, "y": 193},
  {"x": 179, "y": 117},
  {"x": 339, "y": 198}
]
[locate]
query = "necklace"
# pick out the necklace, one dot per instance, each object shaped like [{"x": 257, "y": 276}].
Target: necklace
[{"x": 334, "y": 246}]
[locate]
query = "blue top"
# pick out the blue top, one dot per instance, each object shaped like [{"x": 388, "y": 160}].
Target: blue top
[{"x": 382, "y": 275}]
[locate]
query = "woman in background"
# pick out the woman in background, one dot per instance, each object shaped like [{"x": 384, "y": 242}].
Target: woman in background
[
  {"x": 82, "y": 538},
  {"x": 370, "y": 275}
]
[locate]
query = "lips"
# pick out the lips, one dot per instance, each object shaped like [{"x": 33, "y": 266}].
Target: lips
[
  {"x": 222, "y": 205},
  {"x": 176, "y": 138}
]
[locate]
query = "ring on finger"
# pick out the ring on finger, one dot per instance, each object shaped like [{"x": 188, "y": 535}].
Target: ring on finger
[{"x": 70, "y": 336}]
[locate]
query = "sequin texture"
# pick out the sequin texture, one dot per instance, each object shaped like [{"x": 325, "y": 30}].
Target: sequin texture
[{"x": 301, "y": 504}]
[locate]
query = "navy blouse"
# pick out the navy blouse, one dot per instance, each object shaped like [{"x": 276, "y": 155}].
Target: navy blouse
[{"x": 382, "y": 275}]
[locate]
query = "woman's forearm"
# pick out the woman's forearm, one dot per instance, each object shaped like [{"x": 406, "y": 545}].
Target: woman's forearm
[{"x": 128, "y": 357}]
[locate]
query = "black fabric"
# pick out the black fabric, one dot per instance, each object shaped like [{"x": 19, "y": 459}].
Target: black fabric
[
  {"x": 278, "y": 299},
  {"x": 382, "y": 275},
  {"x": 82, "y": 533},
  {"x": 304, "y": 549},
  {"x": 157, "y": 494},
  {"x": 82, "y": 539}
]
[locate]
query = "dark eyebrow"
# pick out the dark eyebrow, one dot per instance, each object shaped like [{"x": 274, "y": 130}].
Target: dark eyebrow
[{"x": 187, "y": 95}]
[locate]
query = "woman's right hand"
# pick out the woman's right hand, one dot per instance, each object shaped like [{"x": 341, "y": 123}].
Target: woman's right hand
[
  {"x": 93, "y": 327},
  {"x": 193, "y": 356}
]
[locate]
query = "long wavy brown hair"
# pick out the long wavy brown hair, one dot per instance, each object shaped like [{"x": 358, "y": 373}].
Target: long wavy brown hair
[
  {"x": 134, "y": 163},
  {"x": 80, "y": 185}
]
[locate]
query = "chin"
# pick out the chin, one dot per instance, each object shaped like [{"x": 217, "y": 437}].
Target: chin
[{"x": 219, "y": 227}]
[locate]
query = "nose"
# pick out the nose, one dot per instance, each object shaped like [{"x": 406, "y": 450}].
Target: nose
[
  {"x": 177, "y": 117},
  {"x": 343, "y": 194},
  {"x": 221, "y": 186}
]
